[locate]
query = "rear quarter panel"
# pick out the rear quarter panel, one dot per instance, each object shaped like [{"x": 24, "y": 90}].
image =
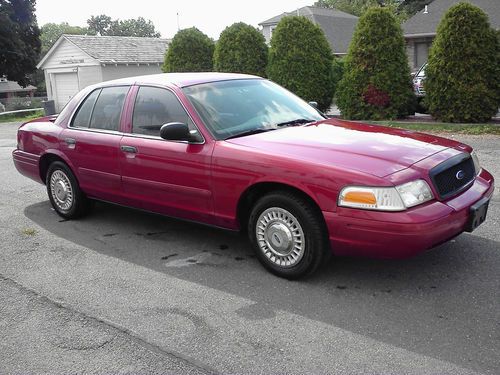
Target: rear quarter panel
[{"x": 34, "y": 140}]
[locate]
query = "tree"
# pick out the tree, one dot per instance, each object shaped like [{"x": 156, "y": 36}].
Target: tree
[
  {"x": 104, "y": 25},
  {"x": 376, "y": 83},
  {"x": 355, "y": 7},
  {"x": 413, "y": 6},
  {"x": 337, "y": 72},
  {"x": 300, "y": 59},
  {"x": 358, "y": 7},
  {"x": 190, "y": 51},
  {"x": 241, "y": 49},
  {"x": 463, "y": 72},
  {"x": 133, "y": 27},
  {"x": 19, "y": 39},
  {"x": 50, "y": 33},
  {"x": 100, "y": 24}
]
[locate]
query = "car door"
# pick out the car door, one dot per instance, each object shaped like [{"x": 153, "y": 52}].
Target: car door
[
  {"x": 92, "y": 142},
  {"x": 169, "y": 177}
]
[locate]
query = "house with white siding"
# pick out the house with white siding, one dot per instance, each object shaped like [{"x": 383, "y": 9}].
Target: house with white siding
[{"x": 77, "y": 61}]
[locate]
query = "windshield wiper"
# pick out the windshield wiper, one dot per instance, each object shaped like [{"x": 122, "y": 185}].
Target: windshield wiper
[
  {"x": 249, "y": 132},
  {"x": 295, "y": 122}
]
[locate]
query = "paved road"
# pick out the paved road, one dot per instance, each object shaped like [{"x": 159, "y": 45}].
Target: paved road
[{"x": 128, "y": 292}]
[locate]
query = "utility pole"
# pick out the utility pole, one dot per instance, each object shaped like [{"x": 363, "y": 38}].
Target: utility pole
[{"x": 178, "y": 25}]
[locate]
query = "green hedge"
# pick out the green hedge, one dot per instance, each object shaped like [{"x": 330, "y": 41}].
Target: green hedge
[
  {"x": 241, "y": 48},
  {"x": 376, "y": 83},
  {"x": 189, "y": 51},
  {"x": 300, "y": 59},
  {"x": 463, "y": 72}
]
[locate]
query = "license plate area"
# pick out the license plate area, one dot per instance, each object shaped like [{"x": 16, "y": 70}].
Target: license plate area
[{"x": 477, "y": 214}]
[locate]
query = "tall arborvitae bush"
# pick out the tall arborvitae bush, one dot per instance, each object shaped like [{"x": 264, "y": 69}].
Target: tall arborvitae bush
[
  {"x": 190, "y": 51},
  {"x": 376, "y": 83},
  {"x": 463, "y": 72},
  {"x": 241, "y": 48},
  {"x": 300, "y": 59}
]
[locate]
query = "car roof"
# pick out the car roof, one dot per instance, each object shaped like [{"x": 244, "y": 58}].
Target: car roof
[{"x": 178, "y": 79}]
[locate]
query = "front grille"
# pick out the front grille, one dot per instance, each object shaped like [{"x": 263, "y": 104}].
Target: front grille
[{"x": 453, "y": 175}]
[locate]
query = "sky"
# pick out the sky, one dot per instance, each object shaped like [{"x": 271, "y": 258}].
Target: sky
[{"x": 211, "y": 16}]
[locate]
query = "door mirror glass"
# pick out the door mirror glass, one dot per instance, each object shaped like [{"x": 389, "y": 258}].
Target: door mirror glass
[
  {"x": 314, "y": 104},
  {"x": 176, "y": 131}
]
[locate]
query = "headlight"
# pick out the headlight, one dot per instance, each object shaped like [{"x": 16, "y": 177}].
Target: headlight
[
  {"x": 475, "y": 159},
  {"x": 396, "y": 198},
  {"x": 414, "y": 193}
]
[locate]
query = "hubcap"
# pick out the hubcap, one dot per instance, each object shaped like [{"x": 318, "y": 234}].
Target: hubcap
[
  {"x": 61, "y": 191},
  {"x": 280, "y": 237}
]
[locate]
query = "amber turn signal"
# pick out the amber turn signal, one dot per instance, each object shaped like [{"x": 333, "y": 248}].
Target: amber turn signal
[{"x": 363, "y": 197}]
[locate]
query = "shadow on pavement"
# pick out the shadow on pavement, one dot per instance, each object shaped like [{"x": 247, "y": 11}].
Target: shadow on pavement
[{"x": 439, "y": 304}]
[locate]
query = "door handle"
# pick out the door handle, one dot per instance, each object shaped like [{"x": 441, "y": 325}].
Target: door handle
[
  {"x": 130, "y": 149},
  {"x": 70, "y": 141}
]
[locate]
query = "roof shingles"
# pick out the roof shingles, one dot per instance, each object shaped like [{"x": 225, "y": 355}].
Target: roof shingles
[
  {"x": 338, "y": 26},
  {"x": 121, "y": 49},
  {"x": 426, "y": 23}
]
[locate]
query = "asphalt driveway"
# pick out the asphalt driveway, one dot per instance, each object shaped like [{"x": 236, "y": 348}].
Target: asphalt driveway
[{"x": 123, "y": 291}]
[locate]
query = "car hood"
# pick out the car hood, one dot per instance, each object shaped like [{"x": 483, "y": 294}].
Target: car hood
[{"x": 372, "y": 149}]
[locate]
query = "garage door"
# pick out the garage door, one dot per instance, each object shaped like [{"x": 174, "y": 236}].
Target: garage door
[{"x": 66, "y": 86}]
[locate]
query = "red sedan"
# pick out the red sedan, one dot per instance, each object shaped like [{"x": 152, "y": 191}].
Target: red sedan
[{"x": 242, "y": 153}]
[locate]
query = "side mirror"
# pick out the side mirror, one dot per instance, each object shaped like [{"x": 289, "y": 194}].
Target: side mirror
[
  {"x": 314, "y": 104},
  {"x": 176, "y": 131}
]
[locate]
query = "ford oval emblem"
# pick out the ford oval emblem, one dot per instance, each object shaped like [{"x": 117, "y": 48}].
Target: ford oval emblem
[{"x": 460, "y": 175}]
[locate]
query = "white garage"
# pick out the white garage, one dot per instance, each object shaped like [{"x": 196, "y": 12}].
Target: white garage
[
  {"x": 77, "y": 61},
  {"x": 65, "y": 87}
]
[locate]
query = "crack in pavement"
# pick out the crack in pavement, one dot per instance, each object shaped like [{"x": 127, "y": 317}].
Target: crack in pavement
[{"x": 115, "y": 326}]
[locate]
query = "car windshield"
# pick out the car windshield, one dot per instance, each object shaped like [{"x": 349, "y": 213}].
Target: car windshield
[{"x": 248, "y": 106}]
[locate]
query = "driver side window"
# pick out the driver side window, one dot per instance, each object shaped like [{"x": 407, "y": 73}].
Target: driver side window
[{"x": 155, "y": 107}]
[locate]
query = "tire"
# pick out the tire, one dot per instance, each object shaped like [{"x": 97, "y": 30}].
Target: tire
[
  {"x": 65, "y": 194},
  {"x": 276, "y": 223}
]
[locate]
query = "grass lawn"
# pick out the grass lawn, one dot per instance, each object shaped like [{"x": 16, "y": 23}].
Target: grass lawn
[
  {"x": 474, "y": 129},
  {"x": 22, "y": 117}
]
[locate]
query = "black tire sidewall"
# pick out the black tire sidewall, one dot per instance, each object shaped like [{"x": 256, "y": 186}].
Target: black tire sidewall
[{"x": 310, "y": 223}]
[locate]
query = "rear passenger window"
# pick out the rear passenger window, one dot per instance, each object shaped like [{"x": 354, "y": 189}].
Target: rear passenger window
[
  {"x": 155, "y": 107},
  {"x": 82, "y": 118},
  {"x": 108, "y": 108}
]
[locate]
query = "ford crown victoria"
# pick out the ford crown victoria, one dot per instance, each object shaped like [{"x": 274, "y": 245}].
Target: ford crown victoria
[{"x": 242, "y": 153}]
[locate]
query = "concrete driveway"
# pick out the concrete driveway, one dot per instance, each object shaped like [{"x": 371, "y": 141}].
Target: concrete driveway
[{"x": 123, "y": 291}]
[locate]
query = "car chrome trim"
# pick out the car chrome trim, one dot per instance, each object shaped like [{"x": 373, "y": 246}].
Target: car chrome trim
[
  {"x": 130, "y": 149},
  {"x": 102, "y": 131},
  {"x": 61, "y": 190},
  {"x": 280, "y": 237}
]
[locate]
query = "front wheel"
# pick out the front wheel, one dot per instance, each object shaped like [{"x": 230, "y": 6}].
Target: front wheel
[
  {"x": 288, "y": 234},
  {"x": 64, "y": 192}
]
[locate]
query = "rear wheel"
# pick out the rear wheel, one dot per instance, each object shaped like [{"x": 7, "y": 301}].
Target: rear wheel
[
  {"x": 288, "y": 234},
  {"x": 64, "y": 192}
]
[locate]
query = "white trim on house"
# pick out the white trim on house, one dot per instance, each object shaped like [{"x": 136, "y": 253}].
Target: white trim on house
[{"x": 77, "y": 61}]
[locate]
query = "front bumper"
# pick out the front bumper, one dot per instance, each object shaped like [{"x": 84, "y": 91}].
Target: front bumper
[{"x": 378, "y": 234}]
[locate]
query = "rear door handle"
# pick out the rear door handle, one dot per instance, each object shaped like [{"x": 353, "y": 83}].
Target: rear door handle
[
  {"x": 130, "y": 149},
  {"x": 70, "y": 141}
]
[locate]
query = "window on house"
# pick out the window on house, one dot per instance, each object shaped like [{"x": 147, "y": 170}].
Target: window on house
[{"x": 271, "y": 30}]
